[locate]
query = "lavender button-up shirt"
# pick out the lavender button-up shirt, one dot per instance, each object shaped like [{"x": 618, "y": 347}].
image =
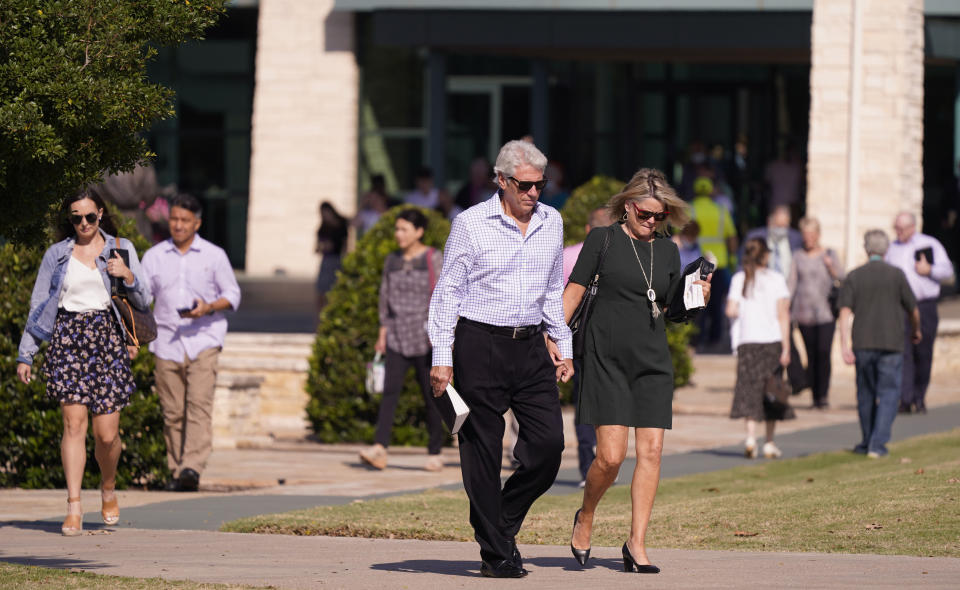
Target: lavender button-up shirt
[
  {"x": 901, "y": 255},
  {"x": 495, "y": 275},
  {"x": 176, "y": 280}
]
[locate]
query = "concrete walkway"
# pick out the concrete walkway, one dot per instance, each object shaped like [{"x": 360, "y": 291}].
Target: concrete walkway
[{"x": 332, "y": 562}]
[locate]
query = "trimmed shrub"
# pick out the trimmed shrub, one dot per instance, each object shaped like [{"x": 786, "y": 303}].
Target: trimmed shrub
[
  {"x": 584, "y": 199},
  {"x": 31, "y": 424},
  {"x": 340, "y": 409}
]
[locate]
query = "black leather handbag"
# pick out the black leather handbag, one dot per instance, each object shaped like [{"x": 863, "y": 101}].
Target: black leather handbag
[{"x": 578, "y": 321}]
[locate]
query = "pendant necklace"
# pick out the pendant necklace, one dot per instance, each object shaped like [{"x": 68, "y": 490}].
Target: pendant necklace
[{"x": 651, "y": 294}]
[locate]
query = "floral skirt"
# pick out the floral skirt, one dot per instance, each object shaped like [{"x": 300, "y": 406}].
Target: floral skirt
[
  {"x": 755, "y": 363},
  {"x": 87, "y": 362}
]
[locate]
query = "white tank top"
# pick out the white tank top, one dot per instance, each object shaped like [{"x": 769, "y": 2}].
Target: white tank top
[{"x": 83, "y": 288}]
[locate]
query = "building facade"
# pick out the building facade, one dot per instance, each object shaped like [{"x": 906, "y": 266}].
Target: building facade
[{"x": 340, "y": 90}]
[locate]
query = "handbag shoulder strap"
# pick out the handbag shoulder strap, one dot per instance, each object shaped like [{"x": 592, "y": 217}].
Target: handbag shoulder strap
[{"x": 603, "y": 253}]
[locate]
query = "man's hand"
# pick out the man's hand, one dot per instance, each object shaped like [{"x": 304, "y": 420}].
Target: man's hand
[
  {"x": 381, "y": 345},
  {"x": 199, "y": 310},
  {"x": 565, "y": 370},
  {"x": 784, "y": 356},
  {"x": 923, "y": 266},
  {"x": 439, "y": 378},
  {"x": 917, "y": 336},
  {"x": 848, "y": 356},
  {"x": 554, "y": 351}
]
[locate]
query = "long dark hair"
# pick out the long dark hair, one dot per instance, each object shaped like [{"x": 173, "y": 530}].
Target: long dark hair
[
  {"x": 66, "y": 230},
  {"x": 754, "y": 252}
]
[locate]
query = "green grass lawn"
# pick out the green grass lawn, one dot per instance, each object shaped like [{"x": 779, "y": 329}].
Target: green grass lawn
[
  {"x": 25, "y": 577},
  {"x": 904, "y": 504}
]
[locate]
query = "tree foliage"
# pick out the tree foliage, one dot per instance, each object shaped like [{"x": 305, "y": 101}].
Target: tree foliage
[{"x": 74, "y": 94}]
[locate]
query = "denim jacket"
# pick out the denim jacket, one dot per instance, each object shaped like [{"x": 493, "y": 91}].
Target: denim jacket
[{"x": 45, "y": 300}]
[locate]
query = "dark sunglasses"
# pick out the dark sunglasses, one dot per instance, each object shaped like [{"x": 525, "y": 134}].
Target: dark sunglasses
[
  {"x": 645, "y": 215},
  {"x": 90, "y": 217},
  {"x": 524, "y": 185}
]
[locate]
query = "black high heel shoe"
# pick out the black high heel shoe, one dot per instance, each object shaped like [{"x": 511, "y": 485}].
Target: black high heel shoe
[
  {"x": 629, "y": 563},
  {"x": 581, "y": 555}
]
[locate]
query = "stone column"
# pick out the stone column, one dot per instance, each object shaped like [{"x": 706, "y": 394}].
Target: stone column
[
  {"x": 304, "y": 132},
  {"x": 866, "y": 118}
]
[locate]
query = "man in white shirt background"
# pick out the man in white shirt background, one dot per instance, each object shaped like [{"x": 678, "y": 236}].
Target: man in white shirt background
[{"x": 924, "y": 261}]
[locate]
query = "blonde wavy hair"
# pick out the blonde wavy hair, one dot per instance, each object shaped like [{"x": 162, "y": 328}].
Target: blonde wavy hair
[{"x": 649, "y": 183}]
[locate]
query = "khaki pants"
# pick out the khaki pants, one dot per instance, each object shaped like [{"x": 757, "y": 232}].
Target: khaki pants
[{"x": 186, "y": 396}]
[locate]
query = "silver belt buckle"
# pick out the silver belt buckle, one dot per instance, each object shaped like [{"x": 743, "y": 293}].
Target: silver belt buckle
[{"x": 515, "y": 333}]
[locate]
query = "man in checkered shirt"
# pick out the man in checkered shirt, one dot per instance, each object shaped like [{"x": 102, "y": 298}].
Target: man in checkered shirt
[{"x": 498, "y": 293}]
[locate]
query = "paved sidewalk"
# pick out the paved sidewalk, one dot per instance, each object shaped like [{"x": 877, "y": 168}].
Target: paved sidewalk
[{"x": 332, "y": 562}]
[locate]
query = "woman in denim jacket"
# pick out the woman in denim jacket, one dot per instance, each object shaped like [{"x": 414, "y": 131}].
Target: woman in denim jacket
[{"x": 87, "y": 366}]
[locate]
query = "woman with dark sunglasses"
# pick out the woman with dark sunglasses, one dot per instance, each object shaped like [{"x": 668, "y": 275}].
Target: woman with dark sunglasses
[
  {"x": 627, "y": 376},
  {"x": 87, "y": 366}
]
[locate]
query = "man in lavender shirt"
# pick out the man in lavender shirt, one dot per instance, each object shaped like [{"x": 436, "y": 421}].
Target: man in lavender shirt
[
  {"x": 924, "y": 261},
  {"x": 193, "y": 284}
]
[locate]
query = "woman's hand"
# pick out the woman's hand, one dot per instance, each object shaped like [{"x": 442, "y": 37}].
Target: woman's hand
[
  {"x": 24, "y": 372},
  {"x": 381, "y": 345},
  {"x": 705, "y": 285},
  {"x": 132, "y": 351},
  {"x": 117, "y": 268}
]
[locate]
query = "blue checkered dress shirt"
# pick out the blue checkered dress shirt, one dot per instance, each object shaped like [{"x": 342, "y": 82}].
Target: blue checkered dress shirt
[{"x": 493, "y": 274}]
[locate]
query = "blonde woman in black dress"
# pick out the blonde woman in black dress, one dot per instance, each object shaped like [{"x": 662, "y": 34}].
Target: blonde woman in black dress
[{"x": 627, "y": 378}]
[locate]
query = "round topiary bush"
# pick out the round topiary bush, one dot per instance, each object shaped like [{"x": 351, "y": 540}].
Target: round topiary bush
[
  {"x": 31, "y": 424},
  {"x": 584, "y": 199},
  {"x": 340, "y": 409}
]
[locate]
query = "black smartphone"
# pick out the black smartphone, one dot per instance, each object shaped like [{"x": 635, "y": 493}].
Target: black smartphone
[
  {"x": 706, "y": 267},
  {"x": 116, "y": 283},
  {"x": 183, "y": 311}
]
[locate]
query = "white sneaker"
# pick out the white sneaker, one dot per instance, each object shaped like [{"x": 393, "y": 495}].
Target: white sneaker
[
  {"x": 434, "y": 463},
  {"x": 770, "y": 451},
  {"x": 750, "y": 448}
]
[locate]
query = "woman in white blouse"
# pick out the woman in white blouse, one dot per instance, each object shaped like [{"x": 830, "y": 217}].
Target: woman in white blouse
[
  {"x": 759, "y": 305},
  {"x": 87, "y": 366}
]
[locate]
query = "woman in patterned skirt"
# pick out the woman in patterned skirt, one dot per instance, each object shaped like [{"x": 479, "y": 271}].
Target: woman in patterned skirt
[
  {"x": 87, "y": 365},
  {"x": 759, "y": 305}
]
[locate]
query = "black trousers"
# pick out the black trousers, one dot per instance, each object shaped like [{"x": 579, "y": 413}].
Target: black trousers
[
  {"x": 918, "y": 358},
  {"x": 395, "y": 371},
  {"x": 494, "y": 373},
  {"x": 818, "y": 340}
]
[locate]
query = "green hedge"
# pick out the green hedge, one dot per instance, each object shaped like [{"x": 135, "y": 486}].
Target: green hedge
[
  {"x": 31, "y": 424},
  {"x": 584, "y": 199},
  {"x": 339, "y": 408}
]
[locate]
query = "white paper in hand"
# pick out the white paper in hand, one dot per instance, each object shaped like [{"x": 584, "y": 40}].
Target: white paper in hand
[
  {"x": 693, "y": 293},
  {"x": 453, "y": 409}
]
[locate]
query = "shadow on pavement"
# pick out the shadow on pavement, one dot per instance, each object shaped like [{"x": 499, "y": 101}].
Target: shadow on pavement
[
  {"x": 53, "y": 526},
  {"x": 50, "y": 562},
  {"x": 469, "y": 569}
]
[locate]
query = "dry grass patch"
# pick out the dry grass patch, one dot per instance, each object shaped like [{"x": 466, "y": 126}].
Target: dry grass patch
[
  {"x": 905, "y": 504},
  {"x": 25, "y": 577}
]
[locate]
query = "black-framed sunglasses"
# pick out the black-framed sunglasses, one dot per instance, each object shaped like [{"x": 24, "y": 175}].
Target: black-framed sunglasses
[
  {"x": 91, "y": 218},
  {"x": 644, "y": 215},
  {"x": 525, "y": 185}
]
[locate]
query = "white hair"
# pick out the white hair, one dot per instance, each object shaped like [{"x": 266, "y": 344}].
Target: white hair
[
  {"x": 876, "y": 242},
  {"x": 516, "y": 153}
]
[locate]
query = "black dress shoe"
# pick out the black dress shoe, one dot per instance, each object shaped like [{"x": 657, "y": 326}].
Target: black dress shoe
[
  {"x": 173, "y": 485},
  {"x": 502, "y": 569},
  {"x": 629, "y": 564},
  {"x": 189, "y": 480},
  {"x": 581, "y": 555},
  {"x": 515, "y": 554}
]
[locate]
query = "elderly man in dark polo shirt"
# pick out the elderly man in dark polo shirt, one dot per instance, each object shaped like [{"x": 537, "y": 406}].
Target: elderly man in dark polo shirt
[{"x": 874, "y": 295}]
